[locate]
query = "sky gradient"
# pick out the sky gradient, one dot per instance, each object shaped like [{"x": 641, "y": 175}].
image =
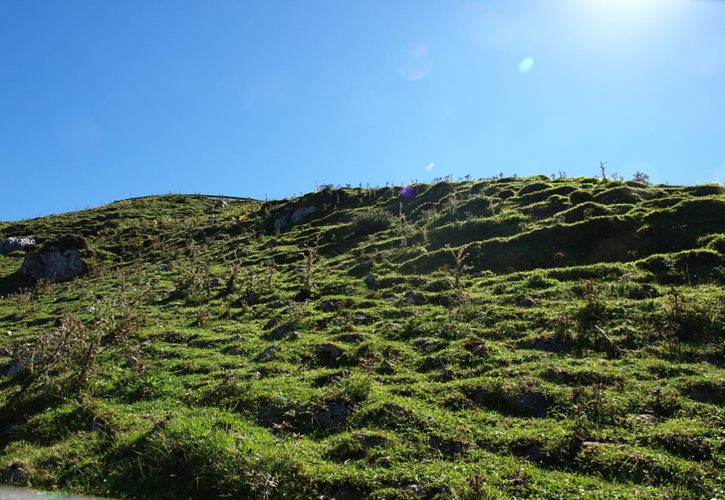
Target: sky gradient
[{"x": 104, "y": 100}]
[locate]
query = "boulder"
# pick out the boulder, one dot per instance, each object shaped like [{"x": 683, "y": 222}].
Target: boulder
[
  {"x": 331, "y": 415},
  {"x": 301, "y": 214},
  {"x": 329, "y": 354},
  {"x": 53, "y": 265},
  {"x": 14, "y": 243}
]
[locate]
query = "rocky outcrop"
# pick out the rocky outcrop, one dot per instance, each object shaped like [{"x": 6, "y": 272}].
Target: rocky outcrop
[
  {"x": 297, "y": 216},
  {"x": 14, "y": 243},
  {"x": 53, "y": 265}
]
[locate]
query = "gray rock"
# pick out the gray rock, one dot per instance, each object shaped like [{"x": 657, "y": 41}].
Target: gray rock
[
  {"x": 329, "y": 354},
  {"x": 162, "y": 268},
  {"x": 14, "y": 243},
  {"x": 301, "y": 214},
  {"x": 332, "y": 415},
  {"x": 528, "y": 302},
  {"x": 549, "y": 345},
  {"x": 530, "y": 403},
  {"x": 426, "y": 343},
  {"x": 412, "y": 297},
  {"x": 16, "y": 369},
  {"x": 88, "y": 310},
  {"x": 216, "y": 282},
  {"x": 447, "y": 447},
  {"x": 53, "y": 265},
  {"x": 281, "y": 222},
  {"x": 279, "y": 333},
  {"x": 268, "y": 353}
]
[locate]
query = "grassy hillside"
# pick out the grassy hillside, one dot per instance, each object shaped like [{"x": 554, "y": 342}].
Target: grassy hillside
[{"x": 510, "y": 337}]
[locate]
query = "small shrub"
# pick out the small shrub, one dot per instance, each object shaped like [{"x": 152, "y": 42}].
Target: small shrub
[{"x": 371, "y": 221}]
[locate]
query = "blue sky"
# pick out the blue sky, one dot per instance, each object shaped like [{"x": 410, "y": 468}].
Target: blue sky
[{"x": 103, "y": 100}]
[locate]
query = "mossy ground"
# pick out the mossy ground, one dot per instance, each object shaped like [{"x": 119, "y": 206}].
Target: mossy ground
[{"x": 580, "y": 355}]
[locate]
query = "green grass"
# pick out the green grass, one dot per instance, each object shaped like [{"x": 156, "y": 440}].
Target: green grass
[{"x": 581, "y": 356}]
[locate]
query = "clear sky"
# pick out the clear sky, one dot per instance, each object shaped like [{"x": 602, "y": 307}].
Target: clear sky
[{"x": 102, "y": 100}]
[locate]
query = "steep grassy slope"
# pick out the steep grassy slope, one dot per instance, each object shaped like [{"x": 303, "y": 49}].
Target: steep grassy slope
[{"x": 510, "y": 337}]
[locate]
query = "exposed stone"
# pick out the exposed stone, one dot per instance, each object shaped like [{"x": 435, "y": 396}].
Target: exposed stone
[
  {"x": 301, "y": 214},
  {"x": 53, "y": 265},
  {"x": 281, "y": 222},
  {"x": 14, "y": 243},
  {"x": 528, "y": 302},
  {"x": 268, "y": 352},
  {"x": 534, "y": 452},
  {"x": 549, "y": 345},
  {"x": 279, "y": 333},
  {"x": 332, "y": 305},
  {"x": 426, "y": 343},
  {"x": 699, "y": 395},
  {"x": 447, "y": 447},
  {"x": 329, "y": 354},
  {"x": 216, "y": 282},
  {"x": 530, "y": 403},
  {"x": 371, "y": 441},
  {"x": 332, "y": 415},
  {"x": 16, "y": 369},
  {"x": 88, "y": 310},
  {"x": 412, "y": 297}
]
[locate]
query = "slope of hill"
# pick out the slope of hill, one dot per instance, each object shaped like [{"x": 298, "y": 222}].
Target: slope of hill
[{"x": 509, "y": 337}]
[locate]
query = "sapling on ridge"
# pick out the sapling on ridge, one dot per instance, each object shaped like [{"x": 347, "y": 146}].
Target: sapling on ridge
[{"x": 460, "y": 255}]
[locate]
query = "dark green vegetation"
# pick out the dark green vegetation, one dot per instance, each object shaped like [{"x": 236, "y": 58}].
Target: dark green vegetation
[{"x": 510, "y": 337}]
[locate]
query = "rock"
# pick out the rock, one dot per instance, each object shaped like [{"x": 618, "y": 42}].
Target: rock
[
  {"x": 16, "y": 369},
  {"x": 535, "y": 453},
  {"x": 699, "y": 395},
  {"x": 236, "y": 338},
  {"x": 88, "y": 310},
  {"x": 14, "y": 243},
  {"x": 447, "y": 447},
  {"x": 332, "y": 305},
  {"x": 331, "y": 379},
  {"x": 372, "y": 282},
  {"x": 549, "y": 345},
  {"x": 329, "y": 354},
  {"x": 275, "y": 321},
  {"x": 426, "y": 343},
  {"x": 530, "y": 403},
  {"x": 644, "y": 418},
  {"x": 268, "y": 352},
  {"x": 13, "y": 474},
  {"x": 528, "y": 302},
  {"x": 250, "y": 299},
  {"x": 279, "y": 333},
  {"x": 53, "y": 265},
  {"x": 162, "y": 268},
  {"x": 371, "y": 441},
  {"x": 386, "y": 367},
  {"x": 132, "y": 361},
  {"x": 281, "y": 222},
  {"x": 395, "y": 409},
  {"x": 301, "y": 214},
  {"x": 412, "y": 297},
  {"x": 332, "y": 415}
]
